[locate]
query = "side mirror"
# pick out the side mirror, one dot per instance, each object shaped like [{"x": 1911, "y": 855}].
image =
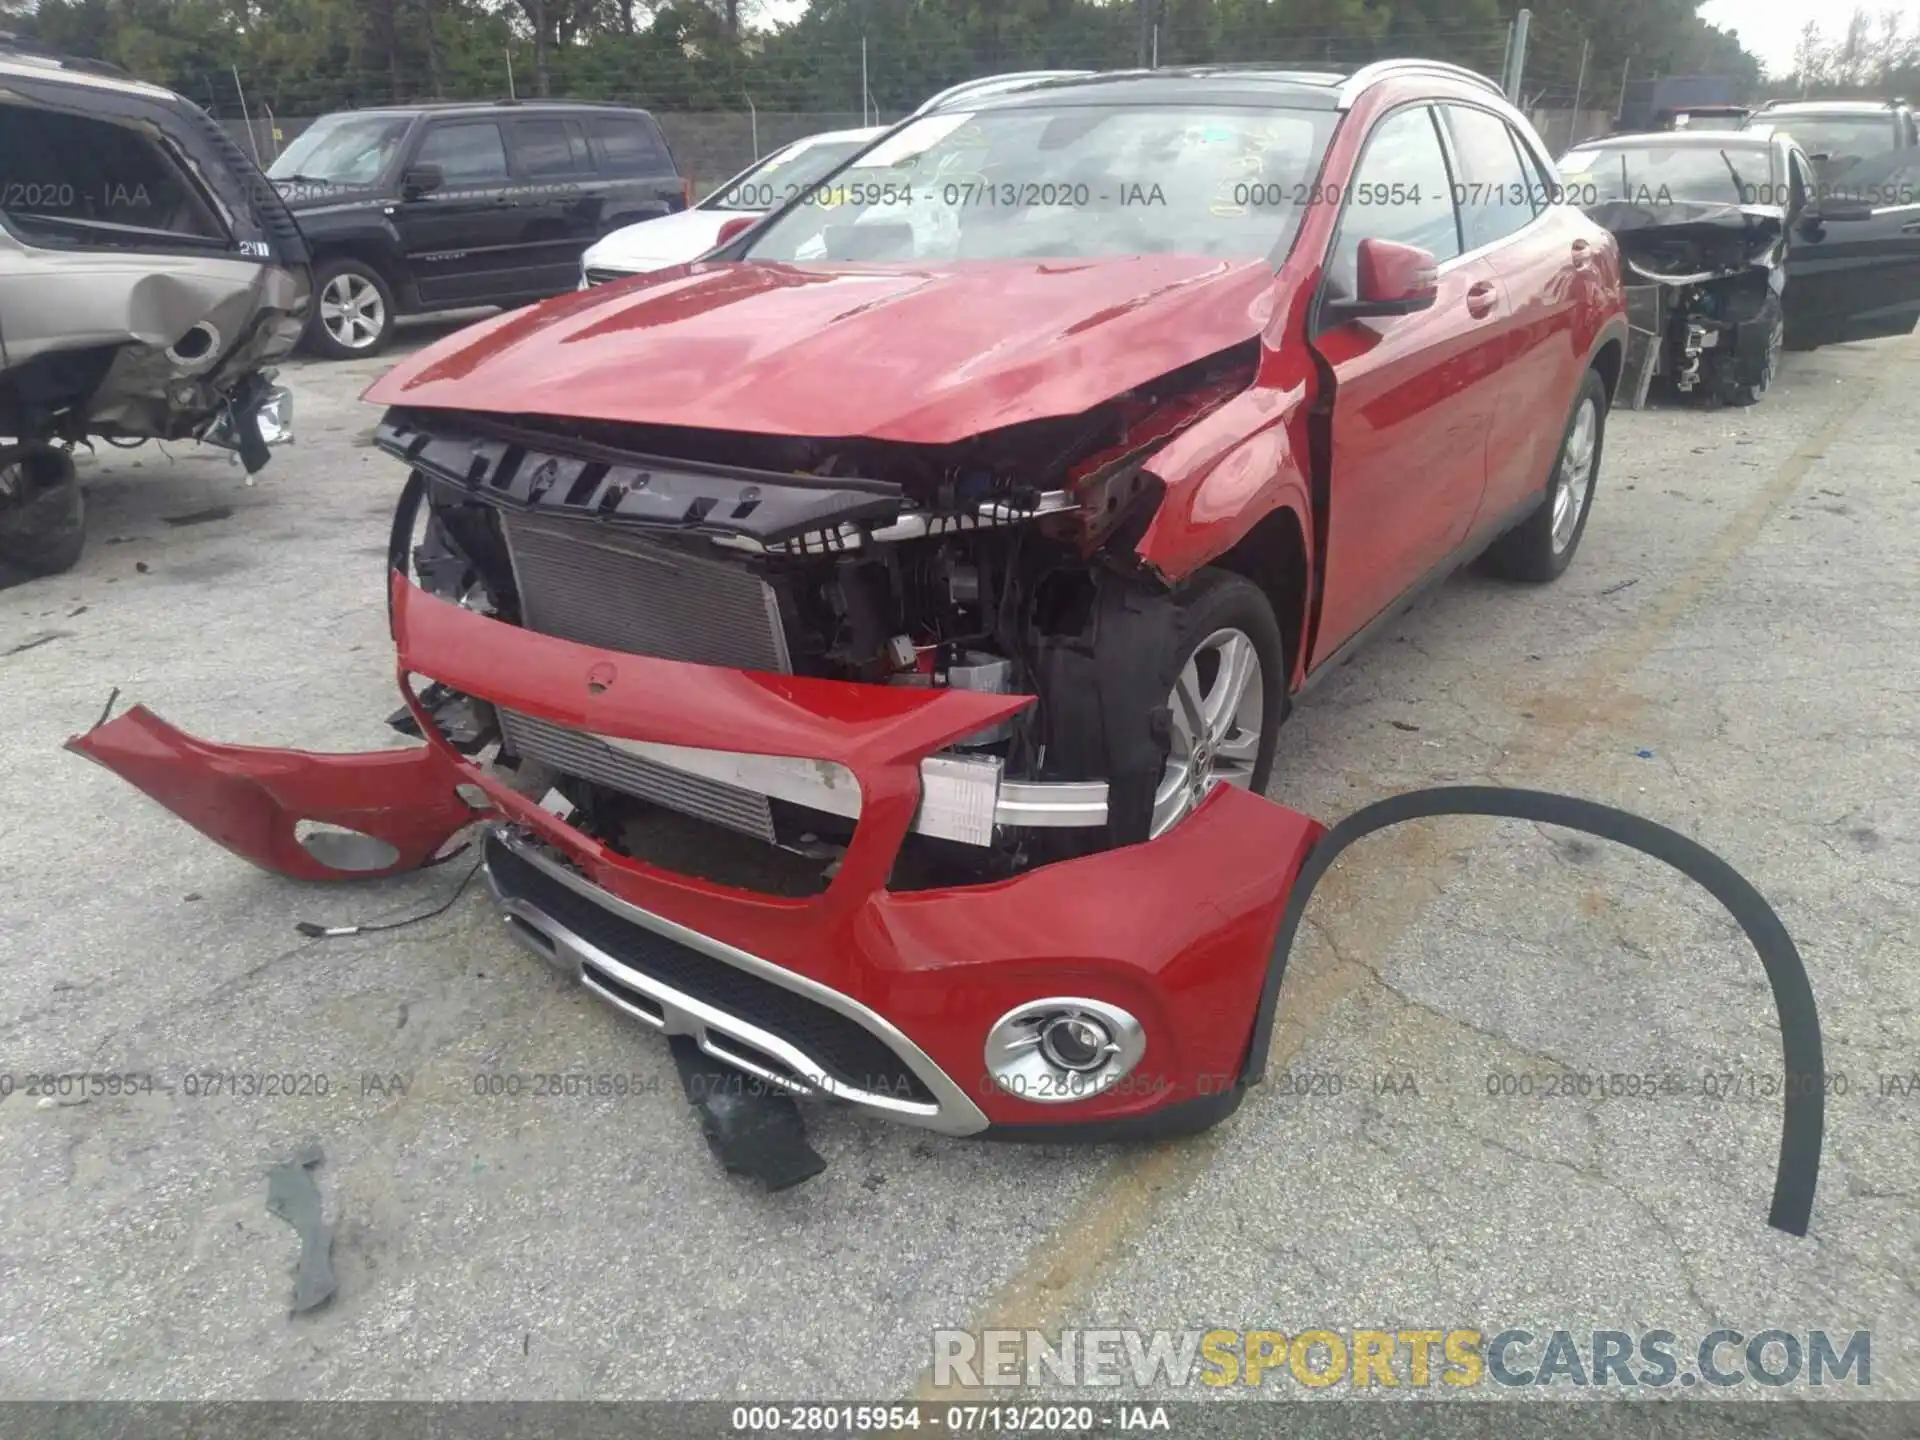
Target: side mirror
[
  {"x": 1395, "y": 279},
  {"x": 734, "y": 228},
  {"x": 421, "y": 180}
]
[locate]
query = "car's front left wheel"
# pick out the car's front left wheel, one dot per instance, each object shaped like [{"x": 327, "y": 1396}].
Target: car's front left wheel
[{"x": 1228, "y": 696}]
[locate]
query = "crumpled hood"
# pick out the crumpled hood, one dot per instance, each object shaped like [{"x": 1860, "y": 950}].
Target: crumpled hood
[
  {"x": 1686, "y": 241},
  {"x": 914, "y": 353}
]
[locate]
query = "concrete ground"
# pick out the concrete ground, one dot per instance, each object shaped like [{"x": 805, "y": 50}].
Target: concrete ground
[{"x": 1733, "y": 653}]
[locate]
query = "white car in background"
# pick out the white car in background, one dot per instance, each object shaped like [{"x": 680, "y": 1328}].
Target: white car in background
[{"x": 688, "y": 234}]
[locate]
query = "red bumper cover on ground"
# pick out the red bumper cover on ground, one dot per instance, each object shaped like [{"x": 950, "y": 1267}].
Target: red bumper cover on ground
[{"x": 1177, "y": 931}]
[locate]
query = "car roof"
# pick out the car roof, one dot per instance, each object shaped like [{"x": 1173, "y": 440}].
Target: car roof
[
  {"x": 1680, "y": 140},
  {"x": 488, "y": 107},
  {"x": 1826, "y": 107},
  {"x": 1292, "y": 87},
  {"x": 36, "y": 64}
]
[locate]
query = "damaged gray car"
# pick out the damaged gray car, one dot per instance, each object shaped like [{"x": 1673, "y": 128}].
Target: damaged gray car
[
  {"x": 1733, "y": 252},
  {"x": 149, "y": 276}
]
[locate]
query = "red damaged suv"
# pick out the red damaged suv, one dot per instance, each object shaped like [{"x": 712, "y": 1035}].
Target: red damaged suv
[{"x": 867, "y": 645}]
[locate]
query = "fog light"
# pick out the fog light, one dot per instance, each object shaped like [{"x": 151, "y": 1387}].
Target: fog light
[
  {"x": 1076, "y": 1042},
  {"x": 1063, "y": 1049}
]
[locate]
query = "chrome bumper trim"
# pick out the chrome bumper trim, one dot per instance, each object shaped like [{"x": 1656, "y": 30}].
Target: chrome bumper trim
[
  {"x": 962, "y": 797},
  {"x": 952, "y": 1111}
]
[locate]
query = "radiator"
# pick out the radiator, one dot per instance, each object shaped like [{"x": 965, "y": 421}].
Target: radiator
[{"x": 599, "y": 586}]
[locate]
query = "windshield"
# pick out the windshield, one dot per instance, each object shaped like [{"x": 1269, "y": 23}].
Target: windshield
[
  {"x": 782, "y": 176},
  {"x": 1064, "y": 182},
  {"x": 341, "y": 150},
  {"x": 1837, "y": 141},
  {"x": 1663, "y": 174}
]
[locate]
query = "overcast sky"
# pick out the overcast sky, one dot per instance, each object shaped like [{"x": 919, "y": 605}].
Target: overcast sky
[{"x": 1771, "y": 28}]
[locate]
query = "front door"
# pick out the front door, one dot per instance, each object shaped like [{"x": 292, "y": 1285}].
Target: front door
[
  {"x": 1853, "y": 257},
  {"x": 1412, "y": 395}
]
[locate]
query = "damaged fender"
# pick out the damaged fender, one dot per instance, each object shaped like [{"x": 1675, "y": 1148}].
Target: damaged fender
[{"x": 401, "y": 806}]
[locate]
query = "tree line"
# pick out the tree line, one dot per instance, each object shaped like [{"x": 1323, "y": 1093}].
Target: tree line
[{"x": 302, "y": 57}]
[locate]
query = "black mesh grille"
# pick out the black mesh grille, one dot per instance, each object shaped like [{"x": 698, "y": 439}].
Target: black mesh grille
[{"x": 848, "y": 1052}]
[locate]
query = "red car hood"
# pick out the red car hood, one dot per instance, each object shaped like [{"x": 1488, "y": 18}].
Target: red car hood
[{"x": 929, "y": 355}]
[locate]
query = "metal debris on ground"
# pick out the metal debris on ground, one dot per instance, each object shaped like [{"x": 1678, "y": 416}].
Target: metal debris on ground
[{"x": 295, "y": 1198}]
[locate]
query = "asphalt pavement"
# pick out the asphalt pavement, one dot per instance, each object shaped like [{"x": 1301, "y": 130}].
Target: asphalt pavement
[{"x": 1733, "y": 653}]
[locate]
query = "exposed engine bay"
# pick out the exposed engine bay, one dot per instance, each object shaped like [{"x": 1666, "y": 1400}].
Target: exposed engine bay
[
  {"x": 1704, "y": 281},
  {"x": 1004, "y": 563}
]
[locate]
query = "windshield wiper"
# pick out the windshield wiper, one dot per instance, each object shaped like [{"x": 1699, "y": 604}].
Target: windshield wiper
[{"x": 1739, "y": 185}]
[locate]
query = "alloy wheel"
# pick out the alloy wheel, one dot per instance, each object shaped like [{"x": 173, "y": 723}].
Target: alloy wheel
[
  {"x": 1573, "y": 478},
  {"x": 1218, "y": 704},
  {"x": 352, "y": 311}
]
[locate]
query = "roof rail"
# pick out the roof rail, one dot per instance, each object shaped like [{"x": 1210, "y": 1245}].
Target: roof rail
[{"x": 1380, "y": 69}]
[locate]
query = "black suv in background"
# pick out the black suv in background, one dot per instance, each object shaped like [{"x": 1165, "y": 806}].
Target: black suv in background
[
  {"x": 1839, "y": 134},
  {"x": 438, "y": 207}
]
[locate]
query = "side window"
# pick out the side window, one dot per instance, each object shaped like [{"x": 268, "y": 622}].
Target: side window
[
  {"x": 1400, "y": 192},
  {"x": 549, "y": 147},
  {"x": 468, "y": 152},
  {"x": 1799, "y": 184},
  {"x": 1541, "y": 181},
  {"x": 631, "y": 145},
  {"x": 82, "y": 181},
  {"x": 1493, "y": 190}
]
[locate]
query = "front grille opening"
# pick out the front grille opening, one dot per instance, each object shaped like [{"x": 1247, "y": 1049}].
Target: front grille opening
[
  {"x": 646, "y": 1005},
  {"x": 842, "y": 1047}
]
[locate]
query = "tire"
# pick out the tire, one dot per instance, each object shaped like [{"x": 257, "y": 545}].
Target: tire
[
  {"x": 43, "y": 520},
  {"x": 1751, "y": 389},
  {"x": 1240, "y": 750},
  {"x": 1540, "y": 548},
  {"x": 362, "y": 314}
]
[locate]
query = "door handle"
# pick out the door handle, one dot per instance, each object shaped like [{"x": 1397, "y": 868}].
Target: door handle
[
  {"x": 1912, "y": 227},
  {"x": 1482, "y": 298}
]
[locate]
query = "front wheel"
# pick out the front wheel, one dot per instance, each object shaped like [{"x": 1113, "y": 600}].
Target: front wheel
[
  {"x": 1541, "y": 547},
  {"x": 1751, "y": 375},
  {"x": 1228, "y": 698}
]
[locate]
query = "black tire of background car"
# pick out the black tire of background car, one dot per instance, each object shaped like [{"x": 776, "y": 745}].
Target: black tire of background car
[
  {"x": 1748, "y": 372},
  {"x": 318, "y": 339},
  {"x": 1526, "y": 552},
  {"x": 43, "y": 525},
  {"x": 1803, "y": 1079}
]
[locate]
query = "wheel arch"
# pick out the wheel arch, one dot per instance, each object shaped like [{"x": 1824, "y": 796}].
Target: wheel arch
[{"x": 1273, "y": 555}]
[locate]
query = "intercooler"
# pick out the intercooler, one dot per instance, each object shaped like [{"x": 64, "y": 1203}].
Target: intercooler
[{"x": 604, "y": 587}]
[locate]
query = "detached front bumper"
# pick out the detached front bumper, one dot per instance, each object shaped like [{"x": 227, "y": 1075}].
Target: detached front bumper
[{"x": 878, "y": 998}]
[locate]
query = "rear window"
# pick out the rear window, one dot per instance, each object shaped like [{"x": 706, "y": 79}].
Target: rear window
[
  {"x": 630, "y": 144},
  {"x": 550, "y": 147},
  {"x": 77, "y": 180},
  {"x": 1837, "y": 142}
]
